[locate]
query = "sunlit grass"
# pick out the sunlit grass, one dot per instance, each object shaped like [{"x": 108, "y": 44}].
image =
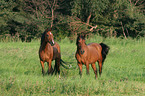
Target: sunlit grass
[{"x": 123, "y": 70}]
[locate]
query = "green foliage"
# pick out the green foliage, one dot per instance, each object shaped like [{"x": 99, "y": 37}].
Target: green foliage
[
  {"x": 116, "y": 17},
  {"x": 83, "y": 8},
  {"x": 29, "y": 18}
]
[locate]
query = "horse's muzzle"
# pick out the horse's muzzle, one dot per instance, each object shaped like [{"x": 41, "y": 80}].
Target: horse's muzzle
[{"x": 52, "y": 43}]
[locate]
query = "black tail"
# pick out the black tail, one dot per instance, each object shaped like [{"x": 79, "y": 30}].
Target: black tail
[
  {"x": 66, "y": 65},
  {"x": 105, "y": 50}
]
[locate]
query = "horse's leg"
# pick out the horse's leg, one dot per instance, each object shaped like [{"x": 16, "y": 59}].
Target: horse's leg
[
  {"x": 50, "y": 70},
  {"x": 57, "y": 66},
  {"x": 100, "y": 67},
  {"x": 54, "y": 70},
  {"x": 42, "y": 65},
  {"x": 80, "y": 69},
  {"x": 87, "y": 68},
  {"x": 95, "y": 69}
]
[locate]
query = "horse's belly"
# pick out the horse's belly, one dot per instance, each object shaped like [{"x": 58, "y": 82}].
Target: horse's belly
[{"x": 92, "y": 61}]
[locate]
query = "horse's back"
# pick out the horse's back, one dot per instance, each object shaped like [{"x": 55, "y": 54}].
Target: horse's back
[
  {"x": 95, "y": 46},
  {"x": 94, "y": 50},
  {"x": 56, "y": 51}
]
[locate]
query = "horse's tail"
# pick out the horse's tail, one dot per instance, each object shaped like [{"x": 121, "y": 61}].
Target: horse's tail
[
  {"x": 105, "y": 50},
  {"x": 67, "y": 66}
]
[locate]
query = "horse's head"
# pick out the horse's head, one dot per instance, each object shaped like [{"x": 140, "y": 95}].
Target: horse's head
[
  {"x": 49, "y": 37},
  {"x": 80, "y": 40}
]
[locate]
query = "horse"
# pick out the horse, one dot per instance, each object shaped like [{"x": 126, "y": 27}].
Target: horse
[
  {"x": 89, "y": 54},
  {"x": 50, "y": 50}
]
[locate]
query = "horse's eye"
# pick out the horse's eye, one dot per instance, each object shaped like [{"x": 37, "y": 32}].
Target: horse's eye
[{"x": 47, "y": 35}]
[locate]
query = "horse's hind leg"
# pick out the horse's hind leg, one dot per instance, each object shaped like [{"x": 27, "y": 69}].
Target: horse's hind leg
[
  {"x": 95, "y": 69},
  {"x": 42, "y": 65},
  {"x": 100, "y": 67},
  {"x": 57, "y": 66}
]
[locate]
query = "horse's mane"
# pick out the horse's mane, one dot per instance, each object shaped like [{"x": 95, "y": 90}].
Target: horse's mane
[
  {"x": 43, "y": 35},
  {"x": 80, "y": 36}
]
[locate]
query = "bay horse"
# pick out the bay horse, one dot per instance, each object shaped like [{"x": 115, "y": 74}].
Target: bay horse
[
  {"x": 89, "y": 54},
  {"x": 50, "y": 50}
]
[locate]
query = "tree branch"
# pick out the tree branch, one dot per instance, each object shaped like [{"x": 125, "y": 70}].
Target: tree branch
[
  {"x": 123, "y": 31},
  {"x": 88, "y": 19}
]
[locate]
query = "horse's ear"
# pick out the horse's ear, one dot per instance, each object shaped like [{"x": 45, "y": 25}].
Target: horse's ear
[
  {"x": 78, "y": 35},
  {"x": 47, "y": 30},
  {"x": 84, "y": 36},
  {"x": 51, "y": 29}
]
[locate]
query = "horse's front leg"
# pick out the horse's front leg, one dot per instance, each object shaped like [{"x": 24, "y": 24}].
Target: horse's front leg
[
  {"x": 50, "y": 70},
  {"x": 80, "y": 69},
  {"x": 87, "y": 68},
  {"x": 42, "y": 65}
]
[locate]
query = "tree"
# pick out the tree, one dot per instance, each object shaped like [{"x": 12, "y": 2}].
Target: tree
[
  {"x": 89, "y": 10},
  {"x": 29, "y": 18},
  {"x": 114, "y": 17}
]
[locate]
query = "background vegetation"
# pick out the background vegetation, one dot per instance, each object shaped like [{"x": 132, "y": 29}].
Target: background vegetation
[
  {"x": 123, "y": 70},
  {"x": 27, "y": 19}
]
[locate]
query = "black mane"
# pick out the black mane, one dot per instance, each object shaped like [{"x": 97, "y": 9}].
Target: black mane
[
  {"x": 43, "y": 37},
  {"x": 80, "y": 36}
]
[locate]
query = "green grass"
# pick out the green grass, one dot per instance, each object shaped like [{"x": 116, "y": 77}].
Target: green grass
[{"x": 123, "y": 71}]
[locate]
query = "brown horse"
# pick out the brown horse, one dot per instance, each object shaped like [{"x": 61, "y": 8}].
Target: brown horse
[
  {"x": 49, "y": 51},
  {"x": 89, "y": 54}
]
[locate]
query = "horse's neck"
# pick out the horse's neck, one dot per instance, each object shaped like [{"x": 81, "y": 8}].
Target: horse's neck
[{"x": 45, "y": 45}]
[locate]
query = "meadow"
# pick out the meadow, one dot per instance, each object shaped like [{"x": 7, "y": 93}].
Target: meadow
[{"x": 123, "y": 70}]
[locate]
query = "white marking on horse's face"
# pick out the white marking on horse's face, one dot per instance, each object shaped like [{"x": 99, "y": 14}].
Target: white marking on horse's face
[{"x": 52, "y": 41}]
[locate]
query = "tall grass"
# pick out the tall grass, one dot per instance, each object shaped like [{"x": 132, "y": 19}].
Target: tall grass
[{"x": 123, "y": 71}]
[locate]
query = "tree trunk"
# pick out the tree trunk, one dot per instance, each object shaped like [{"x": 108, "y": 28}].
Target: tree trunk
[{"x": 52, "y": 17}]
